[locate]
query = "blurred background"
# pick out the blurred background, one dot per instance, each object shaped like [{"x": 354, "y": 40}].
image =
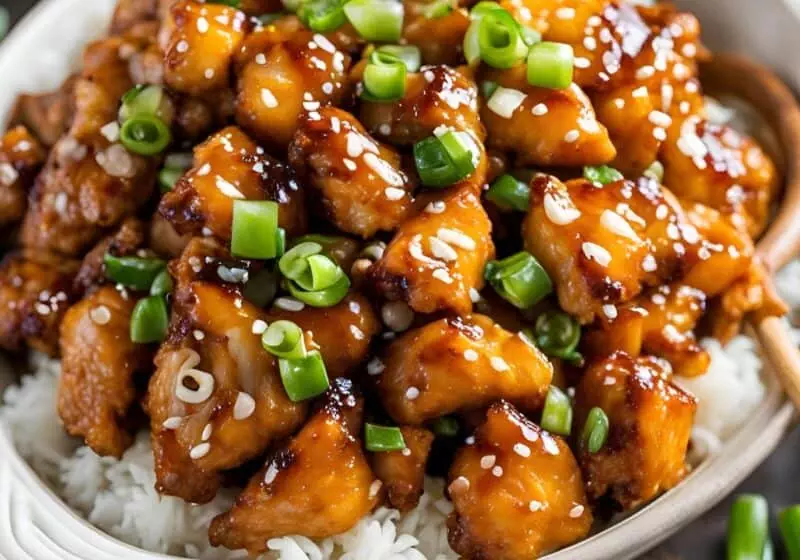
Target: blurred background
[{"x": 778, "y": 477}]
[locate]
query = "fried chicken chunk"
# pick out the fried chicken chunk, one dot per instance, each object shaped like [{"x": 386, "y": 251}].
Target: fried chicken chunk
[
  {"x": 458, "y": 364},
  {"x": 99, "y": 366},
  {"x": 318, "y": 485},
  {"x": 227, "y": 167},
  {"x": 436, "y": 259},
  {"x": 517, "y": 491},
  {"x": 650, "y": 424},
  {"x": 35, "y": 291},
  {"x": 419, "y": 29},
  {"x": 403, "y": 472},
  {"x": 125, "y": 242},
  {"x": 362, "y": 185},
  {"x": 342, "y": 332},
  {"x": 549, "y": 126},
  {"x": 21, "y": 156},
  {"x": 203, "y": 41},
  {"x": 285, "y": 72}
]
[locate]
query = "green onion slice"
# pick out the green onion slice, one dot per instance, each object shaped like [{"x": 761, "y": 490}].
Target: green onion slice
[
  {"x": 500, "y": 40},
  {"x": 254, "y": 233},
  {"x": 510, "y": 193},
  {"x": 147, "y": 100},
  {"x": 168, "y": 177},
  {"x": 284, "y": 339},
  {"x": 655, "y": 171},
  {"x": 557, "y": 334},
  {"x": 409, "y": 54},
  {"x": 383, "y": 438},
  {"x": 145, "y": 135},
  {"x": 376, "y": 20},
  {"x": 384, "y": 77},
  {"x": 438, "y": 9},
  {"x": 550, "y": 65},
  {"x": 137, "y": 273},
  {"x": 484, "y": 7},
  {"x": 149, "y": 320},
  {"x": 293, "y": 263},
  {"x": 602, "y": 174},
  {"x": 304, "y": 378},
  {"x": 322, "y": 298},
  {"x": 322, "y": 16},
  {"x": 443, "y": 160},
  {"x": 445, "y": 426},
  {"x": 162, "y": 284},
  {"x": 789, "y": 522},
  {"x": 557, "y": 413},
  {"x": 519, "y": 279},
  {"x": 595, "y": 431},
  {"x": 748, "y": 528},
  {"x": 312, "y": 277}
]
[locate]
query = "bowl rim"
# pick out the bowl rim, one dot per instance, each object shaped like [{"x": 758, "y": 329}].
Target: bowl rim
[{"x": 36, "y": 523}]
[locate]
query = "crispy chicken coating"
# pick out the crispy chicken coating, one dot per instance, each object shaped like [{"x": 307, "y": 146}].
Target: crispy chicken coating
[
  {"x": 285, "y": 72},
  {"x": 203, "y": 41},
  {"x": 436, "y": 259},
  {"x": 35, "y": 291},
  {"x": 98, "y": 387},
  {"x": 448, "y": 30},
  {"x": 650, "y": 423},
  {"x": 125, "y": 242},
  {"x": 47, "y": 115},
  {"x": 227, "y": 167},
  {"x": 517, "y": 491},
  {"x": 318, "y": 485},
  {"x": 21, "y": 156},
  {"x": 460, "y": 364},
  {"x": 403, "y": 472},
  {"x": 363, "y": 188},
  {"x": 548, "y": 127}
]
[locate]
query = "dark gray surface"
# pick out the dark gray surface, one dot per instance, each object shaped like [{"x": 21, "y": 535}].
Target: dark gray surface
[{"x": 778, "y": 478}]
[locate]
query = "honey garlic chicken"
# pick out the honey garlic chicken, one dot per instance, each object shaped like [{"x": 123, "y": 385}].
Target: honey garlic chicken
[{"x": 363, "y": 246}]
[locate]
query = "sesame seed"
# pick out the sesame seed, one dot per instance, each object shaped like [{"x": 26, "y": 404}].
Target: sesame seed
[
  {"x": 610, "y": 311},
  {"x": 497, "y": 471},
  {"x": 590, "y": 43},
  {"x": 289, "y": 304},
  {"x": 397, "y": 315},
  {"x": 474, "y": 295},
  {"x": 200, "y": 451},
  {"x": 460, "y": 484},
  {"x": 498, "y": 363},
  {"x": 182, "y": 46},
  {"x": 535, "y": 505},
  {"x": 374, "y": 488},
  {"x": 261, "y": 58},
  {"x": 565, "y": 13},
  {"x": 172, "y": 423},
  {"x": 259, "y": 326},
  {"x": 198, "y": 334},
  {"x": 271, "y": 473},
  {"x": 350, "y": 164},
  {"x": 470, "y": 355},
  {"x": 327, "y": 88},
  {"x": 595, "y": 252},
  {"x": 576, "y": 511},
  {"x": 662, "y": 211},
  {"x": 559, "y": 209},
  {"x": 618, "y": 225},
  {"x": 208, "y": 73},
  {"x": 582, "y": 62},
  {"x": 659, "y": 118},
  {"x": 42, "y": 309},
  {"x": 100, "y": 315},
  {"x": 412, "y": 393},
  {"x": 202, "y": 24},
  {"x": 436, "y": 207},
  {"x": 488, "y": 461},
  {"x": 244, "y": 406},
  {"x": 394, "y": 193},
  {"x": 645, "y": 72},
  {"x": 539, "y": 109},
  {"x": 522, "y": 450},
  {"x": 571, "y": 136},
  {"x": 268, "y": 98},
  {"x": 442, "y": 275},
  {"x": 406, "y": 452},
  {"x": 457, "y": 238},
  {"x": 206, "y": 432},
  {"x": 470, "y": 440},
  {"x": 442, "y": 250},
  {"x": 659, "y": 134},
  {"x": 375, "y": 366},
  {"x": 649, "y": 263}
]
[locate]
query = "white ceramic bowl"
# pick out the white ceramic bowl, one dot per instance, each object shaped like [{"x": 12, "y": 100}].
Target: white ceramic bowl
[{"x": 35, "y": 524}]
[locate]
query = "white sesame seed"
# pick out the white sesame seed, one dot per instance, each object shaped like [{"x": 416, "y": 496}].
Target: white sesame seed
[
  {"x": 289, "y": 304},
  {"x": 488, "y": 461},
  {"x": 565, "y": 13},
  {"x": 582, "y": 62},
  {"x": 442, "y": 250},
  {"x": 172, "y": 423},
  {"x": 268, "y": 98},
  {"x": 436, "y": 207},
  {"x": 659, "y": 134},
  {"x": 460, "y": 484},
  {"x": 350, "y": 164},
  {"x": 198, "y": 334},
  {"x": 576, "y": 511},
  {"x": 470, "y": 355},
  {"x": 202, "y": 24},
  {"x": 324, "y": 43},
  {"x": 474, "y": 295},
  {"x": 539, "y": 109},
  {"x": 406, "y": 452},
  {"x": 610, "y": 311},
  {"x": 261, "y": 59},
  {"x": 200, "y": 451},
  {"x": 227, "y": 188},
  {"x": 571, "y": 136},
  {"x": 327, "y": 88},
  {"x": 498, "y": 363},
  {"x": 375, "y": 366},
  {"x": 442, "y": 275},
  {"x": 42, "y": 309},
  {"x": 394, "y": 193},
  {"x": 559, "y": 209},
  {"x": 649, "y": 263},
  {"x": 457, "y": 238},
  {"x": 259, "y": 326},
  {"x": 618, "y": 225},
  {"x": 470, "y": 440},
  {"x": 645, "y": 72},
  {"x": 535, "y": 505},
  {"x": 659, "y": 118},
  {"x": 182, "y": 46},
  {"x": 595, "y": 252},
  {"x": 272, "y": 472},
  {"x": 412, "y": 393},
  {"x": 639, "y": 92},
  {"x": 374, "y": 488},
  {"x": 397, "y": 315},
  {"x": 497, "y": 471},
  {"x": 110, "y": 131},
  {"x": 100, "y": 315},
  {"x": 590, "y": 43},
  {"x": 522, "y": 450},
  {"x": 207, "y": 429},
  {"x": 208, "y": 73},
  {"x": 244, "y": 406}
]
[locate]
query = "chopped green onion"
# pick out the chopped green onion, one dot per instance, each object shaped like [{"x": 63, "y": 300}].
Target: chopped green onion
[
  {"x": 168, "y": 177},
  {"x": 261, "y": 287},
  {"x": 149, "y": 320},
  {"x": 145, "y": 135},
  {"x": 254, "y": 234},
  {"x": 304, "y": 378},
  {"x": 557, "y": 413},
  {"x": 443, "y": 160},
  {"x": 488, "y": 87},
  {"x": 471, "y": 45},
  {"x": 137, "y": 273},
  {"x": 484, "y": 7},
  {"x": 550, "y": 65},
  {"x": 327, "y": 297},
  {"x": 445, "y": 426},
  {"x": 384, "y": 77},
  {"x": 557, "y": 334},
  {"x": 322, "y": 16},
  {"x": 376, "y": 20},
  {"x": 146, "y": 100},
  {"x": 601, "y": 174},
  {"x": 162, "y": 284},
  {"x": 438, "y": 9},
  {"x": 748, "y": 528},
  {"x": 312, "y": 277},
  {"x": 284, "y": 339},
  {"x": 409, "y": 54},
  {"x": 789, "y": 522},
  {"x": 508, "y": 192},
  {"x": 383, "y": 438},
  {"x": 500, "y": 40},
  {"x": 655, "y": 171},
  {"x": 519, "y": 279},
  {"x": 530, "y": 36},
  {"x": 595, "y": 431},
  {"x": 293, "y": 262}
]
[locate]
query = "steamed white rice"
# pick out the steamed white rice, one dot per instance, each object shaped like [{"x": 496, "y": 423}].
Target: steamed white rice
[{"x": 119, "y": 496}]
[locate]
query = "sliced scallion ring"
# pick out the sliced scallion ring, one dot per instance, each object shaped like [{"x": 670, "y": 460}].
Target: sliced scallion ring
[
  {"x": 327, "y": 297},
  {"x": 510, "y": 193},
  {"x": 443, "y": 160},
  {"x": 383, "y": 438},
  {"x": 438, "y": 8},
  {"x": 557, "y": 334},
  {"x": 147, "y": 100},
  {"x": 162, "y": 284},
  {"x": 376, "y": 20},
  {"x": 595, "y": 430},
  {"x": 146, "y": 135},
  {"x": 304, "y": 378},
  {"x": 137, "y": 273},
  {"x": 284, "y": 339},
  {"x": 519, "y": 279},
  {"x": 254, "y": 232},
  {"x": 322, "y": 16},
  {"x": 384, "y": 77},
  {"x": 557, "y": 413},
  {"x": 409, "y": 54},
  {"x": 748, "y": 527},
  {"x": 149, "y": 320},
  {"x": 500, "y": 40},
  {"x": 550, "y": 65}
]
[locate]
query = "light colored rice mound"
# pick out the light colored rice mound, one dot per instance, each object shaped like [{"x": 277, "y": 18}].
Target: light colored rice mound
[{"x": 119, "y": 496}]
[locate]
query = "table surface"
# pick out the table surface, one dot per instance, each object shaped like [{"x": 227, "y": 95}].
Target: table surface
[{"x": 704, "y": 538}]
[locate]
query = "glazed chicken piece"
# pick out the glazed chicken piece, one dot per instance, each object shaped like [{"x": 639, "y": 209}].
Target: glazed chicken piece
[
  {"x": 47, "y": 115},
  {"x": 204, "y": 37},
  {"x": 164, "y": 240},
  {"x": 448, "y": 30},
  {"x": 650, "y": 422},
  {"x": 21, "y": 156},
  {"x": 318, "y": 485},
  {"x": 436, "y": 259},
  {"x": 285, "y": 72},
  {"x": 216, "y": 399},
  {"x": 125, "y": 242},
  {"x": 35, "y": 292},
  {"x": 131, "y": 12},
  {"x": 230, "y": 166},
  {"x": 719, "y": 167},
  {"x": 547, "y": 127},
  {"x": 99, "y": 369},
  {"x": 360, "y": 180},
  {"x": 660, "y": 322},
  {"x": 342, "y": 332},
  {"x": 403, "y": 472},
  {"x": 460, "y": 364},
  {"x": 517, "y": 491}
]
